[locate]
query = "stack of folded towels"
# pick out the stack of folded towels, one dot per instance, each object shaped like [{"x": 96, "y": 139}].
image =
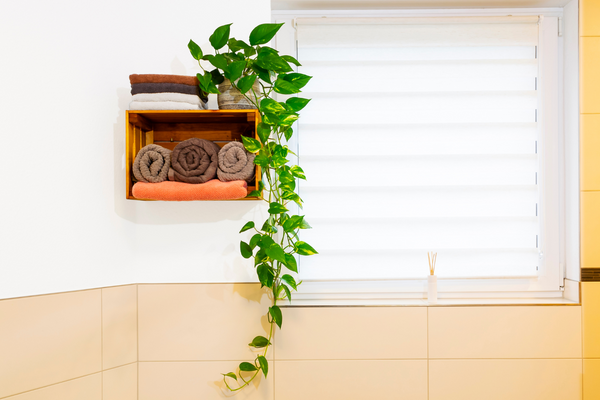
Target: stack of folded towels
[
  {"x": 165, "y": 92},
  {"x": 196, "y": 169}
]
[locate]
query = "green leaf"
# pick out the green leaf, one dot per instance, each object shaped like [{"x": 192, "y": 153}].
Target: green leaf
[
  {"x": 235, "y": 70},
  {"x": 264, "y": 365},
  {"x": 291, "y": 60},
  {"x": 275, "y": 252},
  {"x": 254, "y": 193},
  {"x": 263, "y": 131},
  {"x": 297, "y": 79},
  {"x": 218, "y": 61},
  {"x": 271, "y": 106},
  {"x": 262, "y": 73},
  {"x": 297, "y": 103},
  {"x": 263, "y": 33},
  {"x": 217, "y": 78},
  {"x": 290, "y": 281},
  {"x": 273, "y": 62},
  {"x": 270, "y": 119},
  {"x": 262, "y": 161},
  {"x": 267, "y": 227},
  {"x": 259, "y": 342},
  {"x": 304, "y": 224},
  {"x": 267, "y": 49},
  {"x": 293, "y": 223},
  {"x": 246, "y": 366},
  {"x": 292, "y": 196},
  {"x": 290, "y": 262},
  {"x": 195, "y": 50},
  {"x": 254, "y": 240},
  {"x": 266, "y": 241},
  {"x": 251, "y": 144},
  {"x": 297, "y": 172},
  {"x": 288, "y": 186},
  {"x": 245, "y": 83},
  {"x": 288, "y": 293},
  {"x": 245, "y": 249},
  {"x": 219, "y": 38},
  {"x": 249, "y": 225},
  {"x": 231, "y": 375},
  {"x": 275, "y": 312},
  {"x": 288, "y": 119},
  {"x": 304, "y": 249},
  {"x": 285, "y": 176},
  {"x": 265, "y": 275},
  {"x": 276, "y": 208},
  {"x": 260, "y": 257},
  {"x": 288, "y": 133},
  {"x": 285, "y": 87},
  {"x": 235, "y": 45}
]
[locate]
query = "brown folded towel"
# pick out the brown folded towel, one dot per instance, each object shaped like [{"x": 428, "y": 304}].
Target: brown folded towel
[
  {"x": 164, "y": 88},
  {"x": 155, "y": 78},
  {"x": 194, "y": 161},
  {"x": 235, "y": 163},
  {"x": 152, "y": 164}
]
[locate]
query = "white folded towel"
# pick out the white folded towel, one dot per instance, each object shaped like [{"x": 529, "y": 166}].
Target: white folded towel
[
  {"x": 163, "y": 105},
  {"x": 181, "y": 97}
]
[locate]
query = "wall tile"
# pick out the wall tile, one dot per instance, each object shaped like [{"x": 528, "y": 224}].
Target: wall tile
[
  {"x": 589, "y": 17},
  {"x": 349, "y": 380},
  {"x": 120, "y": 383},
  {"x": 209, "y": 321},
  {"x": 590, "y": 150},
  {"x": 505, "y": 332},
  {"x": 590, "y": 229},
  {"x": 49, "y": 339},
  {"x": 590, "y": 312},
  {"x": 505, "y": 379},
  {"x": 119, "y": 325},
  {"x": 590, "y": 74},
  {"x": 352, "y": 333},
  {"x": 88, "y": 388},
  {"x": 195, "y": 380},
  {"x": 591, "y": 379}
]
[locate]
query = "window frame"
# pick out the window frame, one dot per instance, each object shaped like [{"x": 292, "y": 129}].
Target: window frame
[{"x": 549, "y": 284}]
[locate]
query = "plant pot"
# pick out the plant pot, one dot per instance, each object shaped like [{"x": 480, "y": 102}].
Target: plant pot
[
  {"x": 231, "y": 99},
  {"x": 432, "y": 288}
]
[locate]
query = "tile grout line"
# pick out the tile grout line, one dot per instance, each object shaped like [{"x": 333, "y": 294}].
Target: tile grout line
[
  {"x": 52, "y": 384},
  {"x": 102, "y": 343},
  {"x": 137, "y": 333},
  {"x": 427, "y": 328}
]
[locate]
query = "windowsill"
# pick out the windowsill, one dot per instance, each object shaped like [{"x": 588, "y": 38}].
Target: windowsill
[{"x": 439, "y": 303}]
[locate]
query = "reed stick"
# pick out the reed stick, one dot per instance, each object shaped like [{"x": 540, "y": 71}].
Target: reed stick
[{"x": 431, "y": 257}]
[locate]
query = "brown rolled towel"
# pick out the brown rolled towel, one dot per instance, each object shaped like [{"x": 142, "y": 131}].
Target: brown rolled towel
[
  {"x": 194, "y": 161},
  {"x": 235, "y": 163},
  {"x": 157, "y": 78},
  {"x": 164, "y": 88},
  {"x": 152, "y": 164}
]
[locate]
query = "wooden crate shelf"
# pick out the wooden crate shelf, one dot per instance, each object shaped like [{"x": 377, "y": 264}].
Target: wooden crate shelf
[{"x": 168, "y": 128}]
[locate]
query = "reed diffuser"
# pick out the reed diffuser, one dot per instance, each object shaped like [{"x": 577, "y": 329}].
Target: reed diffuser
[{"x": 432, "y": 279}]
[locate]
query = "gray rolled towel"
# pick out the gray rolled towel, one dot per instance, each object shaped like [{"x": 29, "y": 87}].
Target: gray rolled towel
[
  {"x": 151, "y": 87},
  {"x": 194, "y": 161},
  {"x": 152, "y": 164},
  {"x": 235, "y": 163}
]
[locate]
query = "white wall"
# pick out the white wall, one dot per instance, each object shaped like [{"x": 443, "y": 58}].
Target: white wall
[{"x": 64, "y": 221}]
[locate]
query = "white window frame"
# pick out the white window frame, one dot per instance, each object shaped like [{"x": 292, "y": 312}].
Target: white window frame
[{"x": 550, "y": 282}]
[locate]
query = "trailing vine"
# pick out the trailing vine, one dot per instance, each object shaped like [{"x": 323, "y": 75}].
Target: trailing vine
[{"x": 275, "y": 245}]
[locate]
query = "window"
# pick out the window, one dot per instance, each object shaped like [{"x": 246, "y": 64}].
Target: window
[{"x": 430, "y": 134}]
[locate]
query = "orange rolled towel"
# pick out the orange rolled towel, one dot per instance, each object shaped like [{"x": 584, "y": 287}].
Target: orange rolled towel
[
  {"x": 180, "y": 191},
  {"x": 156, "y": 78}
]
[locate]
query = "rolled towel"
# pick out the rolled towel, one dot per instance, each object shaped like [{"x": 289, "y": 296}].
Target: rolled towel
[
  {"x": 158, "y": 78},
  {"x": 235, "y": 163},
  {"x": 163, "y": 105},
  {"x": 178, "y": 191},
  {"x": 164, "y": 88},
  {"x": 180, "y": 97},
  {"x": 152, "y": 164},
  {"x": 194, "y": 161}
]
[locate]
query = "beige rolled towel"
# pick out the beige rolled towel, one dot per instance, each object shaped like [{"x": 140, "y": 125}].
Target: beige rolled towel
[
  {"x": 235, "y": 163},
  {"x": 152, "y": 164}
]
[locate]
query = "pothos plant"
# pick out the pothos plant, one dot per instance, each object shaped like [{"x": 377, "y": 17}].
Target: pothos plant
[{"x": 275, "y": 244}]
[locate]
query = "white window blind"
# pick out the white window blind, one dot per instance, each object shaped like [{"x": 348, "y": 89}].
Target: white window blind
[{"x": 422, "y": 135}]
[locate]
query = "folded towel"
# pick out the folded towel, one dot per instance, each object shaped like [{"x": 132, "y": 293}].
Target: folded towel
[
  {"x": 152, "y": 164},
  {"x": 155, "y": 78},
  {"x": 235, "y": 163},
  {"x": 183, "y": 98},
  {"x": 194, "y": 161},
  {"x": 164, "y": 87},
  {"x": 178, "y": 191},
  {"x": 163, "y": 105}
]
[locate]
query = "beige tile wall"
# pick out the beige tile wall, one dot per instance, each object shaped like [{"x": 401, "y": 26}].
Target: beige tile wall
[{"x": 188, "y": 335}]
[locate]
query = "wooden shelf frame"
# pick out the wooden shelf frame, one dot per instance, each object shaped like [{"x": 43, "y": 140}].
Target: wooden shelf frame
[{"x": 167, "y": 128}]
